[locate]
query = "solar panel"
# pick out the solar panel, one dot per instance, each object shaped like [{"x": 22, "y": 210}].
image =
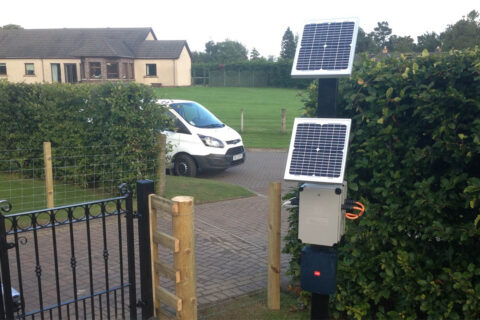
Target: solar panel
[
  {"x": 318, "y": 150},
  {"x": 326, "y": 49}
]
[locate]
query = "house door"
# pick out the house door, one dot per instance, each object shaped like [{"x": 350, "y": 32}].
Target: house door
[
  {"x": 71, "y": 73},
  {"x": 56, "y": 75}
]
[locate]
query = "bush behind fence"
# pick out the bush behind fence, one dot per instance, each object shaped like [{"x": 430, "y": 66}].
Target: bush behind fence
[{"x": 124, "y": 117}]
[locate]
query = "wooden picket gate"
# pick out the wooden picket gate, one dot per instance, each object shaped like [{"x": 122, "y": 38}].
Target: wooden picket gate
[{"x": 182, "y": 244}]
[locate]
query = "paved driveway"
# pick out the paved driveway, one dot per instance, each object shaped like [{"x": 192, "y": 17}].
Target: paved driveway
[
  {"x": 260, "y": 168},
  {"x": 232, "y": 237}
]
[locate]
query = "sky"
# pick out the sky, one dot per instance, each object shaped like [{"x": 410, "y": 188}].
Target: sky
[{"x": 256, "y": 24}]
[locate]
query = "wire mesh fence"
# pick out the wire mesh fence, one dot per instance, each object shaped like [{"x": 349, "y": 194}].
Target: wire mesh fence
[{"x": 79, "y": 175}]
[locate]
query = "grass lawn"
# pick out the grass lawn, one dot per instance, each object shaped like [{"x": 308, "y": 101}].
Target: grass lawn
[
  {"x": 262, "y": 110},
  {"x": 29, "y": 194},
  {"x": 254, "y": 307}
]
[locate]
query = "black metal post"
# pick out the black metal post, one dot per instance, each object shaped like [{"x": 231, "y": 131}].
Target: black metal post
[
  {"x": 326, "y": 108},
  {"x": 7, "y": 302},
  {"x": 327, "y": 98},
  {"x": 144, "y": 188},
  {"x": 131, "y": 256}
]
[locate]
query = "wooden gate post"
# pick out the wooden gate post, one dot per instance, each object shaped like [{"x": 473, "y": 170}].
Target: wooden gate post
[
  {"x": 274, "y": 223},
  {"x": 241, "y": 120},
  {"x": 160, "y": 186},
  {"x": 47, "y": 157},
  {"x": 284, "y": 120},
  {"x": 184, "y": 259}
]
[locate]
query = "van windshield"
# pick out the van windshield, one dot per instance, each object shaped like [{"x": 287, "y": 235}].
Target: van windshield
[{"x": 196, "y": 115}]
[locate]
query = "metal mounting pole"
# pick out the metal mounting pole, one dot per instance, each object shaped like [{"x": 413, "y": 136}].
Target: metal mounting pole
[{"x": 326, "y": 108}]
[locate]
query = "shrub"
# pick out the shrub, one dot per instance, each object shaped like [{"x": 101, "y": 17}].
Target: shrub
[
  {"x": 414, "y": 160},
  {"x": 123, "y": 117}
]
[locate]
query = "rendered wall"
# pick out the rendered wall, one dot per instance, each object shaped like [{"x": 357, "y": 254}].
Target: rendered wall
[{"x": 42, "y": 68}]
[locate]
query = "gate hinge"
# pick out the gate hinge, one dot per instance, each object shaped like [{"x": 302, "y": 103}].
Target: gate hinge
[
  {"x": 141, "y": 304},
  {"x": 136, "y": 215}
]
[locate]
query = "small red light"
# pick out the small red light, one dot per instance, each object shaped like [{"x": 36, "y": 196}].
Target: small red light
[{"x": 316, "y": 273}]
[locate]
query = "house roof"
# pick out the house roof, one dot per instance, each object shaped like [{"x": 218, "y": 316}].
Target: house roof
[
  {"x": 94, "y": 42},
  {"x": 161, "y": 49}
]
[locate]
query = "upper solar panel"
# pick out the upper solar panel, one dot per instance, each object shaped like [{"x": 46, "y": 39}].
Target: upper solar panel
[
  {"x": 326, "y": 49},
  {"x": 318, "y": 150}
]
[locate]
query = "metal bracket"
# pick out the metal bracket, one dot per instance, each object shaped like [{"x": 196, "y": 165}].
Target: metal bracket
[
  {"x": 141, "y": 304},
  {"x": 136, "y": 215}
]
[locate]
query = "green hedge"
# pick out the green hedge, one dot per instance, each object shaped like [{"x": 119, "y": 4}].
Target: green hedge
[
  {"x": 81, "y": 121},
  {"x": 414, "y": 161}
]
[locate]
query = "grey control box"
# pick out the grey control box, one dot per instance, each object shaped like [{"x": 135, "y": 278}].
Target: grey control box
[{"x": 321, "y": 218}]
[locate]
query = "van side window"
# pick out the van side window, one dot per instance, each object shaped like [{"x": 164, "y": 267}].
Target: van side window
[{"x": 178, "y": 126}]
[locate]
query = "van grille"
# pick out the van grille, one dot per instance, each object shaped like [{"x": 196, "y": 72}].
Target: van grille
[{"x": 235, "y": 150}]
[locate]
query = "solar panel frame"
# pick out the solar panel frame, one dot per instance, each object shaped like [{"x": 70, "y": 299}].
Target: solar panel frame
[
  {"x": 316, "y": 43},
  {"x": 318, "y": 150}
]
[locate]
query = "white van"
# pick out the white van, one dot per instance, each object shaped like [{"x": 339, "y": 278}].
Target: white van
[{"x": 200, "y": 141}]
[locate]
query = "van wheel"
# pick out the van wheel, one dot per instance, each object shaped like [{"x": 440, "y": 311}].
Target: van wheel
[{"x": 185, "y": 166}]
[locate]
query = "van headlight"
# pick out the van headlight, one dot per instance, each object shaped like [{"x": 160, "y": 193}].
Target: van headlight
[{"x": 211, "y": 141}]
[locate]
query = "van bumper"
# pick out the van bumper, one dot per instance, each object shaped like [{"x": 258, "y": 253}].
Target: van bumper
[{"x": 220, "y": 162}]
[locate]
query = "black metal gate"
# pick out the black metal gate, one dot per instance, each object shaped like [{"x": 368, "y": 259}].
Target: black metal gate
[{"x": 67, "y": 262}]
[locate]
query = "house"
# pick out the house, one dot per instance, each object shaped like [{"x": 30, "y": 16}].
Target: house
[{"x": 93, "y": 55}]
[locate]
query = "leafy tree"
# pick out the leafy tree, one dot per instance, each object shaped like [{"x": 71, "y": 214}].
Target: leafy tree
[
  {"x": 11, "y": 27},
  {"x": 465, "y": 33},
  {"x": 429, "y": 41},
  {"x": 254, "y": 54},
  {"x": 381, "y": 33},
  {"x": 289, "y": 45},
  {"x": 227, "y": 51},
  {"x": 400, "y": 44},
  {"x": 365, "y": 42}
]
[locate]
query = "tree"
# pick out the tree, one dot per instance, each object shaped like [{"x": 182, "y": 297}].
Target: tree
[
  {"x": 11, "y": 27},
  {"x": 227, "y": 51},
  {"x": 400, "y": 44},
  {"x": 430, "y": 41},
  {"x": 365, "y": 42},
  {"x": 381, "y": 33},
  {"x": 289, "y": 45},
  {"x": 465, "y": 33},
  {"x": 254, "y": 54}
]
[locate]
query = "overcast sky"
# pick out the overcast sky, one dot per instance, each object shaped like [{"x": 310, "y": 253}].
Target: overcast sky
[{"x": 255, "y": 23}]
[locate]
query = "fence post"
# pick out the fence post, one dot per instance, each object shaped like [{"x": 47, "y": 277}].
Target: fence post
[
  {"x": 274, "y": 223},
  {"x": 284, "y": 121},
  {"x": 47, "y": 158},
  {"x": 144, "y": 188},
  {"x": 160, "y": 187},
  {"x": 241, "y": 120},
  {"x": 184, "y": 260}
]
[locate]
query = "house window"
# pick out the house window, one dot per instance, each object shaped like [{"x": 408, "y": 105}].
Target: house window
[
  {"x": 29, "y": 69},
  {"x": 3, "y": 69},
  {"x": 112, "y": 70},
  {"x": 151, "y": 70},
  {"x": 95, "y": 70}
]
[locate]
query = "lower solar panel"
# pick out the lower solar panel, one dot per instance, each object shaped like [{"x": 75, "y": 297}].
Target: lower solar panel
[{"x": 318, "y": 150}]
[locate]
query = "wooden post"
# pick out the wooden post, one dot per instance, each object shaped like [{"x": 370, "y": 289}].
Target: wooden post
[
  {"x": 160, "y": 186},
  {"x": 47, "y": 158},
  {"x": 153, "y": 225},
  {"x": 284, "y": 121},
  {"x": 184, "y": 260},
  {"x": 241, "y": 120},
  {"x": 274, "y": 223}
]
